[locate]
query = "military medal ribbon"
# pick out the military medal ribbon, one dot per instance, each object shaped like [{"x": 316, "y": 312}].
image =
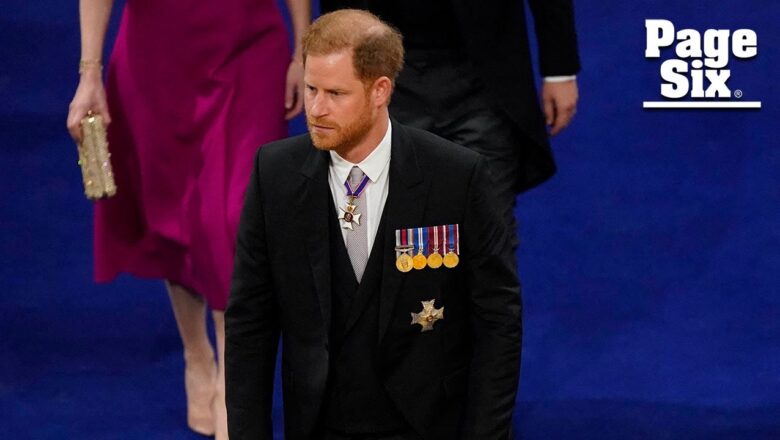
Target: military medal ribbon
[
  {"x": 419, "y": 260},
  {"x": 404, "y": 262},
  {"x": 451, "y": 257},
  {"x": 434, "y": 258}
]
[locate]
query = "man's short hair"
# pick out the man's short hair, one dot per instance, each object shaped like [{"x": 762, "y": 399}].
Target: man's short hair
[{"x": 377, "y": 48}]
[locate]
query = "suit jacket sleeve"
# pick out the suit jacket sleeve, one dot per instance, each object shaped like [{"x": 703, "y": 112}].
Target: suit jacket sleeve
[
  {"x": 557, "y": 37},
  {"x": 495, "y": 315},
  {"x": 251, "y": 324}
]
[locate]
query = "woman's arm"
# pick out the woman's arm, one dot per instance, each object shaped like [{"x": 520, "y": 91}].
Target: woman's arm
[
  {"x": 90, "y": 95},
  {"x": 300, "y": 16}
]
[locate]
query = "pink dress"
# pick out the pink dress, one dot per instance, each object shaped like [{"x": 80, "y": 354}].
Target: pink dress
[{"x": 194, "y": 88}]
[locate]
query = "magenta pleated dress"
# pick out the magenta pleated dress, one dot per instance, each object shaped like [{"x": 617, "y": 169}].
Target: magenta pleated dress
[{"x": 194, "y": 88}]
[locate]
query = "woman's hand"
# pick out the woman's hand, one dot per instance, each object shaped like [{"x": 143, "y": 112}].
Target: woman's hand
[
  {"x": 293, "y": 95},
  {"x": 90, "y": 95}
]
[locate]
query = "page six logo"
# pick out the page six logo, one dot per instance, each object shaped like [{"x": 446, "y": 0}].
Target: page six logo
[{"x": 698, "y": 77}]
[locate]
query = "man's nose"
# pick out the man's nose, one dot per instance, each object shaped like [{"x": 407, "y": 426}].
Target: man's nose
[{"x": 318, "y": 105}]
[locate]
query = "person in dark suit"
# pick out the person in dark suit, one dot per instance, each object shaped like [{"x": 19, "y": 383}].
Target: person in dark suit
[
  {"x": 469, "y": 78},
  {"x": 377, "y": 253}
]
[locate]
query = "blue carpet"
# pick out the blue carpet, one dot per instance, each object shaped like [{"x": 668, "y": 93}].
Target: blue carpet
[{"x": 651, "y": 262}]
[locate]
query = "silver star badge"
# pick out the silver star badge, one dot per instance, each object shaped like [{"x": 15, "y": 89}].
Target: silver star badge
[
  {"x": 348, "y": 216},
  {"x": 428, "y": 315}
]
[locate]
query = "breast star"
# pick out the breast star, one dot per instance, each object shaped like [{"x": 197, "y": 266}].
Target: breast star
[{"x": 428, "y": 315}]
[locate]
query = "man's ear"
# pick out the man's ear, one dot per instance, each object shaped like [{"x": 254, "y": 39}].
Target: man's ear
[{"x": 381, "y": 91}]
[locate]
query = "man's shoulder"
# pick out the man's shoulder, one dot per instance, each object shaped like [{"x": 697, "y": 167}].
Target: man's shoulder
[
  {"x": 290, "y": 150},
  {"x": 282, "y": 159}
]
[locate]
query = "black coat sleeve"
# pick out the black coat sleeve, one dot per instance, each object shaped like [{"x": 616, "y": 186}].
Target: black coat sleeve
[
  {"x": 495, "y": 315},
  {"x": 557, "y": 37},
  {"x": 251, "y": 324}
]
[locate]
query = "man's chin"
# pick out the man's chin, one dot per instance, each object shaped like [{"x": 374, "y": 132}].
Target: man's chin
[{"x": 322, "y": 144}]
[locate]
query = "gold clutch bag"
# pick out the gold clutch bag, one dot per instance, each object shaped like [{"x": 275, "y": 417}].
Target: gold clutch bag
[{"x": 94, "y": 159}]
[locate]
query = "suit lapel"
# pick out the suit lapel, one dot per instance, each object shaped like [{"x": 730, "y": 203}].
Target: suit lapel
[
  {"x": 405, "y": 207},
  {"x": 313, "y": 212}
]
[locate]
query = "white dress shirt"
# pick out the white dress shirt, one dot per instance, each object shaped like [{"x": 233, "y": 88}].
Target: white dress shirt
[{"x": 377, "y": 167}]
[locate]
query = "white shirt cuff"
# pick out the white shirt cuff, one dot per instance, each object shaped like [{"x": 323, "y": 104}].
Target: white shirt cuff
[{"x": 559, "y": 78}]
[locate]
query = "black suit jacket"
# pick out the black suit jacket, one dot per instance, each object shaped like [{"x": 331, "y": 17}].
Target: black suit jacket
[
  {"x": 497, "y": 44},
  {"x": 456, "y": 381}
]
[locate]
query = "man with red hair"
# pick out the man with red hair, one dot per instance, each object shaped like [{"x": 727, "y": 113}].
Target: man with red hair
[{"x": 377, "y": 252}]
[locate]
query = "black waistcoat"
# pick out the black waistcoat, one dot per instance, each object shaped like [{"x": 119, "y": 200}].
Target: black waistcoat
[{"x": 355, "y": 400}]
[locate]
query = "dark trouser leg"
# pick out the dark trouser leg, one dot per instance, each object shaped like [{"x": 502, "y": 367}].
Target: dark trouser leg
[{"x": 443, "y": 96}]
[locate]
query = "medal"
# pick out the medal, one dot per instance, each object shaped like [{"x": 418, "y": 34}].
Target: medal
[
  {"x": 428, "y": 315},
  {"x": 348, "y": 216},
  {"x": 451, "y": 259},
  {"x": 432, "y": 246},
  {"x": 403, "y": 261},
  {"x": 419, "y": 261},
  {"x": 434, "y": 258}
]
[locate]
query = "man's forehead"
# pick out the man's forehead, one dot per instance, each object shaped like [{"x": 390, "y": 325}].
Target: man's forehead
[
  {"x": 335, "y": 67},
  {"x": 332, "y": 61}
]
